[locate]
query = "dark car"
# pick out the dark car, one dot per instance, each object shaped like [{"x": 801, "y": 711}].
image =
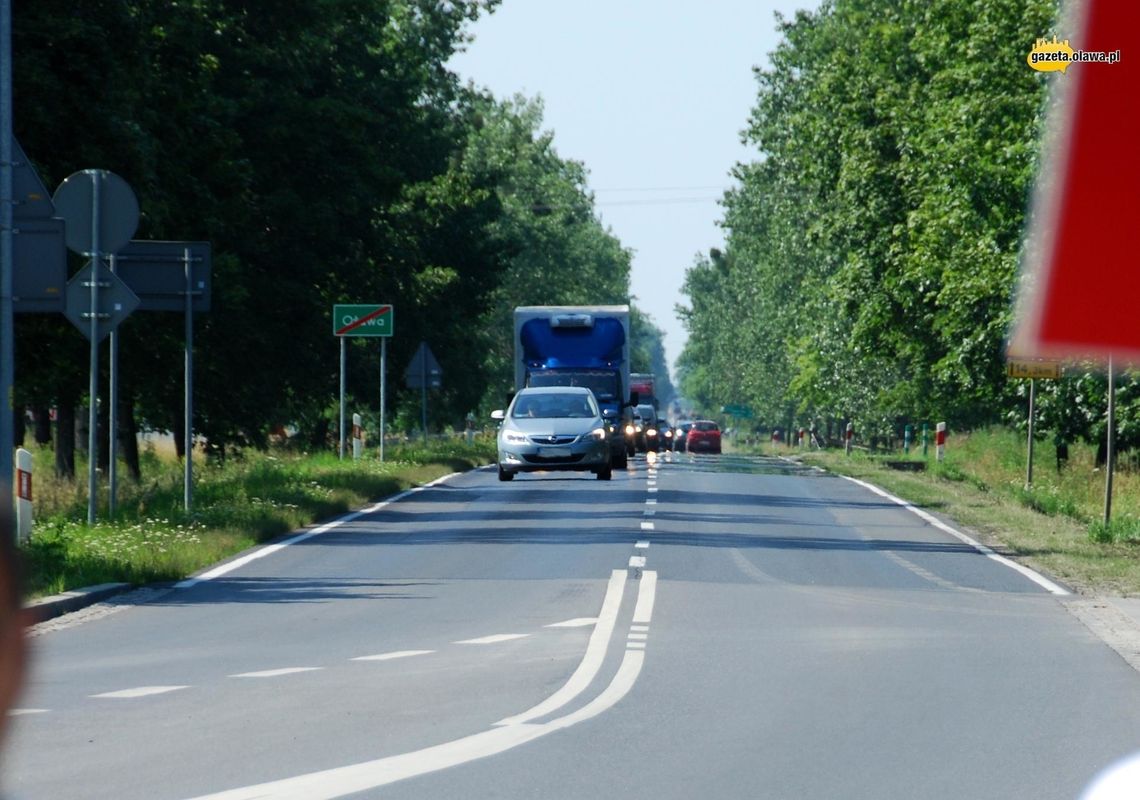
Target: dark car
[
  {"x": 703, "y": 437},
  {"x": 680, "y": 435}
]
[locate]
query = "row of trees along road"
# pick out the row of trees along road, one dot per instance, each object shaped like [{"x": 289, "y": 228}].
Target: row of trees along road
[
  {"x": 329, "y": 155},
  {"x": 872, "y": 247}
]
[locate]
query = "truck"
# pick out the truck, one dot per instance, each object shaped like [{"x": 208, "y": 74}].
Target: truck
[{"x": 579, "y": 346}]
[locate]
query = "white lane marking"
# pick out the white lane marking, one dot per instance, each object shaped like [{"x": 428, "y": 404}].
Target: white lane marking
[
  {"x": 649, "y": 512},
  {"x": 647, "y": 526},
  {"x": 1036, "y": 577},
  {"x": 642, "y": 544},
  {"x": 275, "y": 673},
  {"x": 578, "y": 622},
  {"x": 637, "y": 561},
  {"x": 637, "y": 637},
  {"x": 392, "y": 655},
  {"x": 23, "y": 712},
  {"x": 269, "y": 549},
  {"x": 592, "y": 660},
  {"x": 646, "y": 592},
  {"x": 652, "y": 489},
  {"x": 634, "y": 646},
  {"x": 140, "y": 691},
  {"x": 651, "y": 483},
  {"x": 639, "y": 628},
  {"x": 341, "y": 781},
  {"x": 651, "y": 502},
  {"x": 494, "y": 638}
]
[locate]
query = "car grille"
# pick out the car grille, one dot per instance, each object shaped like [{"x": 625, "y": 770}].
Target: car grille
[
  {"x": 549, "y": 440},
  {"x": 553, "y": 459}
]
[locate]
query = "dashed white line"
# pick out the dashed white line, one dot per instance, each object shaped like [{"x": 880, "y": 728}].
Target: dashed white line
[
  {"x": 140, "y": 691},
  {"x": 643, "y": 544},
  {"x": 578, "y": 622},
  {"x": 652, "y": 489},
  {"x": 23, "y": 712},
  {"x": 651, "y": 502},
  {"x": 638, "y": 637},
  {"x": 637, "y": 561},
  {"x": 649, "y": 512},
  {"x": 494, "y": 638},
  {"x": 635, "y": 645},
  {"x": 275, "y": 673},
  {"x": 639, "y": 628},
  {"x": 647, "y": 526},
  {"x": 394, "y": 654}
]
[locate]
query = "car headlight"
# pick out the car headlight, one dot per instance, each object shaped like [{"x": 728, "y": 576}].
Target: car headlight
[
  {"x": 511, "y": 437},
  {"x": 629, "y": 430},
  {"x": 669, "y": 434},
  {"x": 598, "y": 433},
  {"x": 651, "y": 432},
  {"x": 639, "y": 429}
]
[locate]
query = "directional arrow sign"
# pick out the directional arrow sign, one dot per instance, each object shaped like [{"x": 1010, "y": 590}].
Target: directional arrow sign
[
  {"x": 116, "y": 301},
  {"x": 362, "y": 320}
]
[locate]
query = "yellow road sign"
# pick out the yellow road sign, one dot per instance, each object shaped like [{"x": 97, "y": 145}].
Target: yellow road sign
[{"x": 1032, "y": 368}]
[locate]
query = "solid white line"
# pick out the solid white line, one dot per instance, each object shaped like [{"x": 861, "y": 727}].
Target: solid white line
[
  {"x": 23, "y": 712},
  {"x": 1036, "y": 577},
  {"x": 269, "y": 549},
  {"x": 647, "y": 526},
  {"x": 646, "y": 592},
  {"x": 642, "y": 544},
  {"x": 392, "y": 655},
  {"x": 579, "y": 622},
  {"x": 341, "y": 781},
  {"x": 592, "y": 660},
  {"x": 494, "y": 638},
  {"x": 275, "y": 673},
  {"x": 141, "y": 691},
  {"x": 637, "y": 561}
]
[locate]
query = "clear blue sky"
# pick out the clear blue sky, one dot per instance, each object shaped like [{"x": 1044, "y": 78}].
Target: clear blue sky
[{"x": 651, "y": 95}]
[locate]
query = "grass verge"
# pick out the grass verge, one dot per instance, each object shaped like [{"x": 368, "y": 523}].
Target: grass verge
[
  {"x": 1053, "y": 527},
  {"x": 236, "y": 505}
]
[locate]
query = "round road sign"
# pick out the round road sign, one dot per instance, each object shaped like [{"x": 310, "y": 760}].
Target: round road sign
[{"x": 117, "y": 212}]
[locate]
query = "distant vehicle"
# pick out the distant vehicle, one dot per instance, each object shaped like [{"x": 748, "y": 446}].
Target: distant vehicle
[
  {"x": 680, "y": 434},
  {"x": 634, "y": 434},
  {"x": 553, "y": 428},
  {"x": 645, "y": 384},
  {"x": 579, "y": 346},
  {"x": 647, "y": 437},
  {"x": 703, "y": 436}
]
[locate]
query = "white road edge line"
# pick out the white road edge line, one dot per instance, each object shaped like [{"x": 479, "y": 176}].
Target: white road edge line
[
  {"x": 592, "y": 660},
  {"x": 23, "y": 712},
  {"x": 646, "y": 592},
  {"x": 1036, "y": 577},
  {"x": 269, "y": 549},
  {"x": 392, "y": 655},
  {"x": 341, "y": 781},
  {"x": 140, "y": 691},
  {"x": 494, "y": 638}
]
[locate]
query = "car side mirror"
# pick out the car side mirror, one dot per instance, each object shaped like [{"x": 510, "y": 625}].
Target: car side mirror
[
  {"x": 633, "y": 398},
  {"x": 498, "y": 413}
]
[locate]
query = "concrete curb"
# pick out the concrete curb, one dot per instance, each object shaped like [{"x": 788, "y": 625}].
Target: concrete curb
[{"x": 57, "y": 605}]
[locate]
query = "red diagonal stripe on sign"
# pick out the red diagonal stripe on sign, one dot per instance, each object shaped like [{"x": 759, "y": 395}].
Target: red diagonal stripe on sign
[{"x": 373, "y": 315}]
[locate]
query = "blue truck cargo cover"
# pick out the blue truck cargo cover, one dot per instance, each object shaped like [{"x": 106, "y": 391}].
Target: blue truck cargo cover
[{"x": 552, "y": 348}]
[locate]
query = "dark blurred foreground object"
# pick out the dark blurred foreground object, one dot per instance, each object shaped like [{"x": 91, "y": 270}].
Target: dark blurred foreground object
[{"x": 13, "y": 646}]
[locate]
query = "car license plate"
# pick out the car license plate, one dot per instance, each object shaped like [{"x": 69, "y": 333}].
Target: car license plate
[{"x": 554, "y": 452}]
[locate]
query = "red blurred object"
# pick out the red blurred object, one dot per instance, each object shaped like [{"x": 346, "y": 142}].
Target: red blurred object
[
  {"x": 1084, "y": 244},
  {"x": 704, "y": 436}
]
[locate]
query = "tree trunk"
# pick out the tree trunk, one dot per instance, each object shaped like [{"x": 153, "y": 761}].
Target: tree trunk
[
  {"x": 19, "y": 426},
  {"x": 43, "y": 425},
  {"x": 129, "y": 441},
  {"x": 179, "y": 436},
  {"x": 65, "y": 439}
]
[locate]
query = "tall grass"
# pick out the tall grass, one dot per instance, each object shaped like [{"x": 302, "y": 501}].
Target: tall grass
[{"x": 237, "y": 504}]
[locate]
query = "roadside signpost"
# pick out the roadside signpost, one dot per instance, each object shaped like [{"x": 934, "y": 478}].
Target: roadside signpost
[
  {"x": 1034, "y": 369},
  {"x": 101, "y": 214},
  {"x": 368, "y": 321},
  {"x": 423, "y": 372}
]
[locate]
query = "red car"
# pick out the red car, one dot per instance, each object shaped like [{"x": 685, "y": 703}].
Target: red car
[{"x": 704, "y": 436}]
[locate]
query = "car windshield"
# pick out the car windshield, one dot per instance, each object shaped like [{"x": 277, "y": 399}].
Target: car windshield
[
  {"x": 554, "y": 406},
  {"x": 603, "y": 383}
]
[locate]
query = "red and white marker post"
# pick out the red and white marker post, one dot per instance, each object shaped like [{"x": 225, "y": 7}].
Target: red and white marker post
[
  {"x": 940, "y": 441},
  {"x": 23, "y": 495}
]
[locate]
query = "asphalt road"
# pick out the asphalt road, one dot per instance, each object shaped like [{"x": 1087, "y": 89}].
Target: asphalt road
[{"x": 703, "y": 627}]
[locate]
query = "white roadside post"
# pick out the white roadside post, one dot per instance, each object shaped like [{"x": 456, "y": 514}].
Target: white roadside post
[
  {"x": 940, "y": 441},
  {"x": 23, "y": 495},
  {"x": 357, "y": 436}
]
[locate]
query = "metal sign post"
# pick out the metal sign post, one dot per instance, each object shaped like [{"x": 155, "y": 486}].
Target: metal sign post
[
  {"x": 1110, "y": 454},
  {"x": 340, "y": 429},
  {"x": 7, "y": 327},
  {"x": 113, "y": 418},
  {"x": 374, "y": 320},
  {"x": 93, "y": 382},
  {"x": 383, "y": 390},
  {"x": 1029, "y": 466},
  {"x": 188, "y": 380},
  {"x": 423, "y": 372}
]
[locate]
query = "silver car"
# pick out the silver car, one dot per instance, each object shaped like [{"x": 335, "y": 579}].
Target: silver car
[{"x": 553, "y": 428}]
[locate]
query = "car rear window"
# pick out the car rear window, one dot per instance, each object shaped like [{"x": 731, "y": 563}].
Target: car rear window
[{"x": 705, "y": 426}]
